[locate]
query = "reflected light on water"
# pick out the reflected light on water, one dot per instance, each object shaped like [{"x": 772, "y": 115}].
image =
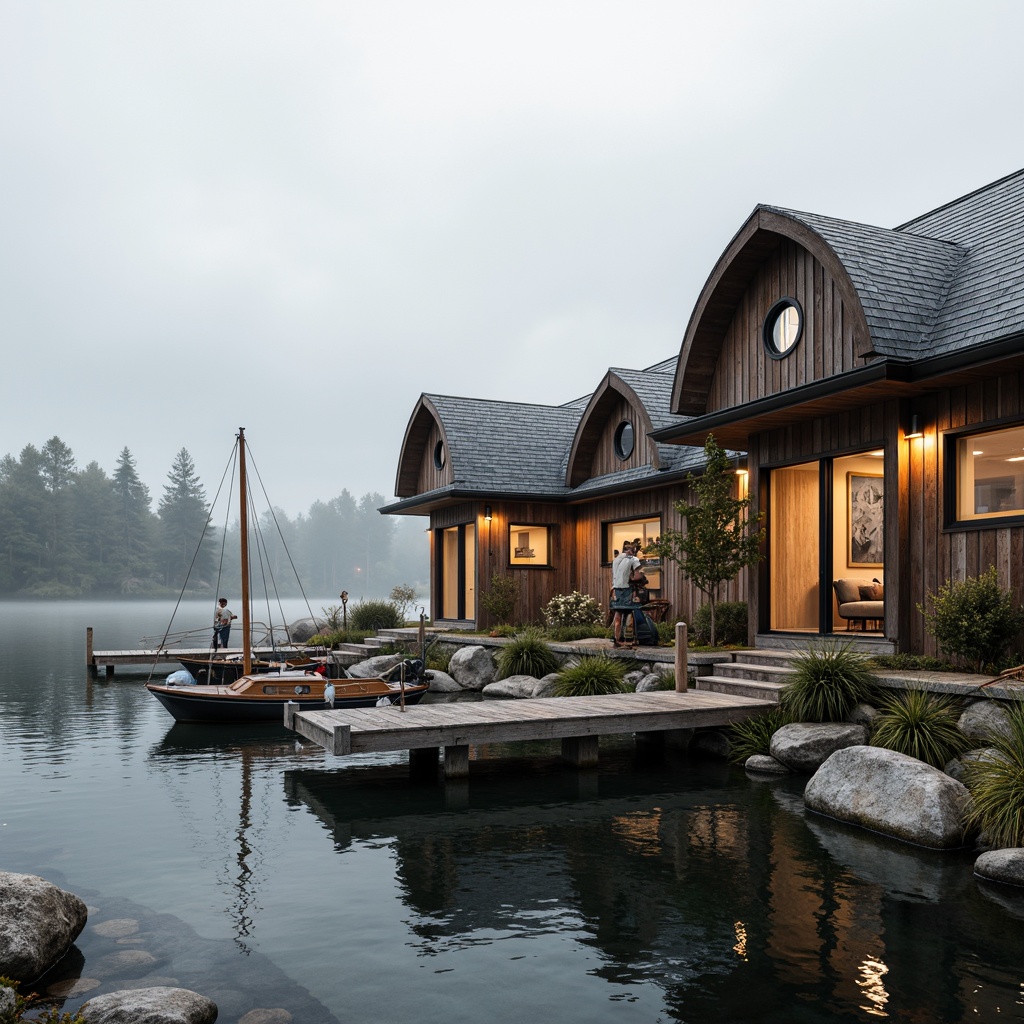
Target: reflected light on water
[
  {"x": 740, "y": 931},
  {"x": 872, "y": 971}
]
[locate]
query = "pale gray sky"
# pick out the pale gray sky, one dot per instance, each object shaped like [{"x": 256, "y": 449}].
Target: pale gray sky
[{"x": 295, "y": 217}]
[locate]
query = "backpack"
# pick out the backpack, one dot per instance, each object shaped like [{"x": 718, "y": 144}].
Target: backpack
[{"x": 644, "y": 629}]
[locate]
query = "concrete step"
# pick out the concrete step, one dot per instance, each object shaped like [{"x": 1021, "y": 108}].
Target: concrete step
[
  {"x": 754, "y": 688},
  {"x": 781, "y": 658},
  {"x": 760, "y": 671}
]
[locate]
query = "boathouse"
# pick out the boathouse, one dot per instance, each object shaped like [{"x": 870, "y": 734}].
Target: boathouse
[{"x": 871, "y": 382}]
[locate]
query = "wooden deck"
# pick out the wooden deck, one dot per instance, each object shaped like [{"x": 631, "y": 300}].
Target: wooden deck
[{"x": 576, "y": 721}]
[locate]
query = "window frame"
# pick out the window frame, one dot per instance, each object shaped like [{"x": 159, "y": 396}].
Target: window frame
[
  {"x": 549, "y": 533},
  {"x": 653, "y": 567},
  {"x": 951, "y": 441}
]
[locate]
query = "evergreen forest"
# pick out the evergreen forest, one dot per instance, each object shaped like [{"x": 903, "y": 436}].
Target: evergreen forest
[{"x": 69, "y": 532}]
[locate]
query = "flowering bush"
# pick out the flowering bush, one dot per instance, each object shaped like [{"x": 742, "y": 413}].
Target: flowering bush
[{"x": 573, "y": 609}]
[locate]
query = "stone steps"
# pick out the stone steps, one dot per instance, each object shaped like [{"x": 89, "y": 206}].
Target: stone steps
[{"x": 759, "y": 674}]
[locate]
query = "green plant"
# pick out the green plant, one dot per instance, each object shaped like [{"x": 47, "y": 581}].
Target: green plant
[
  {"x": 375, "y": 614},
  {"x": 666, "y": 633},
  {"x": 567, "y": 634},
  {"x": 31, "y": 1004},
  {"x": 903, "y": 661},
  {"x": 730, "y": 624},
  {"x": 505, "y": 630},
  {"x": 754, "y": 735},
  {"x": 500, "y": 600},
  {"x": 402, "y": 596},
  {"x": 439, "y": 657},
  {"x": 594, "y": 675},
  {"x": 922, "y": 725},
  {"x": 829, "y": 679},
  {"x": 718, "y": 541},
  {"x": 527, "y": 654},
  {"x": 573, "y": 609},
  {"x": 341, "y": 636},
  {"x": 334, "y": 618},
  {"x": 997, "y": 786},
  {"x": 973, "y": 620}
]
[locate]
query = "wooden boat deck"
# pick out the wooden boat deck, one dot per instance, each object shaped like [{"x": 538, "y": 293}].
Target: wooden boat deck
[{"x": 577, "y": 721}]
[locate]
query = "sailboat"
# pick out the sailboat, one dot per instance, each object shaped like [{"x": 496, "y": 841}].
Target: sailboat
[{"x": 262, "y": 696}]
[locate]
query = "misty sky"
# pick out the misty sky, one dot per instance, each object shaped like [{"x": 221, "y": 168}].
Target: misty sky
[{"x": 296, "y": 217}]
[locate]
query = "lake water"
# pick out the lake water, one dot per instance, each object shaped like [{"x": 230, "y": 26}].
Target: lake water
[{"x": 269, "y": 874}]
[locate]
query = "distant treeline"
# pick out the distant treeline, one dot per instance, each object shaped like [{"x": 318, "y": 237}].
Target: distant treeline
[{"x": 70, "y": 532}]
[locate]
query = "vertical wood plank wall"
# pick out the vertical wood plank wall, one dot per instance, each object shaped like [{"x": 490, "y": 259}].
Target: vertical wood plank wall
[
  {"x": 921, "y": 554},
  {"x": 745, "y": 371}
]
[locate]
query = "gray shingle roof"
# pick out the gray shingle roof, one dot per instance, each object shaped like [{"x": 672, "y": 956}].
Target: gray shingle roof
[
  {"x": 943, "y": 282},
  {"x": 986, "y": 298},
  {"x": 902, "y": 279}
]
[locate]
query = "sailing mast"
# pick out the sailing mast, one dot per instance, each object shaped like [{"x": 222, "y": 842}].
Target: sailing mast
[{"x": 244, "y": 535}]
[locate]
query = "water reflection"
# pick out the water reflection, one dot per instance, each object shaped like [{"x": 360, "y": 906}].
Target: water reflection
[{"x": 712, "y": 892}]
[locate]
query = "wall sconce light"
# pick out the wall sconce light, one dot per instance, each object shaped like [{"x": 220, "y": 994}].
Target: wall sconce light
[
  {"x": 487, "y": 513},
  {"x": 915, "y": 428}
]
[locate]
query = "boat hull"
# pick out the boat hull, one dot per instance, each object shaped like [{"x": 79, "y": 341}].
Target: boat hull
[{"x": 220, "y": 704}]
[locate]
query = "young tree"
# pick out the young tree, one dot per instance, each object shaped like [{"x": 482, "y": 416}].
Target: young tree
[{"x": 718, "y": 541}]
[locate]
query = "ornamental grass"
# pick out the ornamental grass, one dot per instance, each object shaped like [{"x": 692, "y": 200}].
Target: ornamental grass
[
  {"x": 594, "y": 675},
  {"x": 526, "y": 654},
  {"x": 754, "y": 735},
  {"x": 997, "y": 786},
  {"x": 829, "y": 680},
  {"x": 921, "y": 725}
]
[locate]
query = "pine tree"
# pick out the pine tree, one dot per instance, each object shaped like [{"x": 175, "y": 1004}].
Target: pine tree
[
  {"x": 134, "y": 523},
  {"x": 186, "y": 536}
]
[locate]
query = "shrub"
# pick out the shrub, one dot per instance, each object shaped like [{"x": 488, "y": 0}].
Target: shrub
[
  {"x": 902, "y": 661},
  {"x": 730, "y": 624},
  {"x": 527, "y": 654},
  {"x": 973, "y": 620},
  {"x": 573, "y": 609},
  {"x": 922, "y": 725},
  {"x": 830, "y": 678},
  {"x": 341, "y": 636},
  {"x": 375, "y": 614},
  {"x": 754, "y": 735},
  {"x": 402, "y": 596},
  {"x": 439, "y": 657},
  {"x": 334, "y": 618},
  {"x": 566, "y": 634},
  {"x": 593, "y": 676},
  {"x": 997, "y": 786},
  {"x": 500, "y": 600}
]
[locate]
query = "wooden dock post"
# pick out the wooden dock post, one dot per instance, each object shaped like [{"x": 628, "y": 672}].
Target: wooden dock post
[
  {"x": 682, "y": 668},
  {"x": 89, "y": 663},
  {"x": 456, "y": 762},
  {"x": 580, "y": 751}
]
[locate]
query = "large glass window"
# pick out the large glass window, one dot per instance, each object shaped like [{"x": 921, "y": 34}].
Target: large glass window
[
  {"x": 990, "y": 474},
  {"x": 646, "y": 531}
]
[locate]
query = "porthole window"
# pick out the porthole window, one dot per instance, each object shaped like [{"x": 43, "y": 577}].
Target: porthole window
[
  {"x": 783, "y": 327},
  {"x": 439, "y": 455},
  {"x": 624, "y": 439}
]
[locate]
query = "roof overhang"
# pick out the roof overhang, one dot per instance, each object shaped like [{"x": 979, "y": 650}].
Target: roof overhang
[{"x": 878, "y": 381}]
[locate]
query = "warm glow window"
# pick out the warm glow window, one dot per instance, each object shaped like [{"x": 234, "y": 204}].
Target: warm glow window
[
  {"x": 529, "y": 545},
  {"x": 990, "y": 475},
  {"x": 646, "y": 531}
]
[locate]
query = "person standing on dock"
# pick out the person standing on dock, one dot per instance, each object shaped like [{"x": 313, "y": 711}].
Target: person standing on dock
[
  {"x": 222, "y": 619},
  {"x": 622, "y": 568}
]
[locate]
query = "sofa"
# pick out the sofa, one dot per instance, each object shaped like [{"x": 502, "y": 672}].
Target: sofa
[{"x": 859, "y": 600}]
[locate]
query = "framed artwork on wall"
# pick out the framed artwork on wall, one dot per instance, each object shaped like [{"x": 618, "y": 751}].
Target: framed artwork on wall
[{"x": 867, "y": 519}]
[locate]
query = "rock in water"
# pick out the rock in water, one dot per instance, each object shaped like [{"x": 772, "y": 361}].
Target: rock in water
[
  {"x": 38, "y": 924},
  {"x": 891, "y": 793},
  {"x": 805, "y": 746},
  {"x": 150, "y": 1006}
]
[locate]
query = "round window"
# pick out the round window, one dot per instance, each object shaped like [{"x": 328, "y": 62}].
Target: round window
[
  {"x": 624, "y": 440},
  {"x": 439, "y": 455},
  {"x": 782, "y": 327}
]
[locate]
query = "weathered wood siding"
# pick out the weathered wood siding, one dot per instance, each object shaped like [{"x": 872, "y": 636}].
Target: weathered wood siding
[
  {"x": 935, "y": 555},
  {"x": 745, "y": 371},
  {"x": 430, "y": 477},
  {"x": 605, "y": 458}
]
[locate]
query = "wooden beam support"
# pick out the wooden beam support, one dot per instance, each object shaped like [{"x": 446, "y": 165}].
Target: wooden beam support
[
  {"x": 456, "y": 762},
  {"x": 580, "y": 751}
]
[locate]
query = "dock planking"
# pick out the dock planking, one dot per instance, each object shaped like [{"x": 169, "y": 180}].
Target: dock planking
[{"x": 576, "y": 721}]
